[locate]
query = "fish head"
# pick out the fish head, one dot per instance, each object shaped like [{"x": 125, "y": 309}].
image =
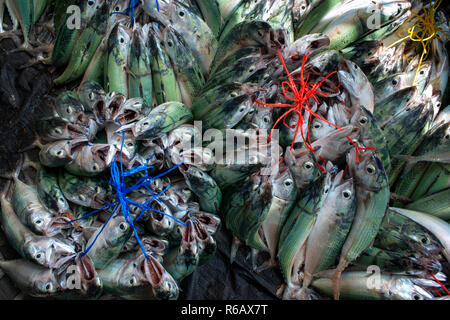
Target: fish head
[
  {"x": 39, "y": 221},
  {"x": 284, "y": 186},
  {"x": 90, "y": 7},
  {"x": 56, "y": 153},
  {"x": 336, "y": 143},
  {"x": 368, "y": 171},
  {"x": 160, "y": 219},
  {"x": 45, "y": 284},
  {"x": 163, "y": 284},
  {"x": 113, "y": 103},
  {"x": 79, "y": 271},
  {"x": 68, "y": 106},
  {"x": 91, "y": 93},
  {"x": 339, "y": 192},
  {"x": 308, "y": 43},
  {"x": 261, "y": 32},
  {"x": 118, "y": 230},
  {"x": 393, "y": 10},
  {"x": 303, "y": 166},
  {"x": 130, "y": 110},
  {"x": 405, "y": 288}
]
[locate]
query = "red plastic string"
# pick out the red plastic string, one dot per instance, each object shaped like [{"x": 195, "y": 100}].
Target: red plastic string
[{"x": 300, "y": 96}]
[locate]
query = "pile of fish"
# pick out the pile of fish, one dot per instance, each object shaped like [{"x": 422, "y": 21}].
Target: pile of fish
[{"x": 344, "y": 185}]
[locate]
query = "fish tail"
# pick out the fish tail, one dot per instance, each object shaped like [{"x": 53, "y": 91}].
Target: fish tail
[{"x": 337, "y": 283}]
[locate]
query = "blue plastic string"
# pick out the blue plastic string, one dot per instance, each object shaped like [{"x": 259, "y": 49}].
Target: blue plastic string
[{"x": 118, "y": 182}]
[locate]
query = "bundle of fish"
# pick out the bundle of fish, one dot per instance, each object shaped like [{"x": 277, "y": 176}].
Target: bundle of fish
[{"x": 352, "y": 200}]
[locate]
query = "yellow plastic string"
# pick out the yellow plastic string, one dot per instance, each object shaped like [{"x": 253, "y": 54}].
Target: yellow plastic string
[{"x": 424, "y": 31}]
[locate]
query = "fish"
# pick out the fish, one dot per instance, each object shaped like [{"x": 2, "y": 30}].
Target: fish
[
  {"x": 333, "y": 222},
  {"x": 391, "y": 287},
  {"x": 139, "y": 278},
  {"x": 116, "y": 62},
  {"x": 372, "y": 196},
  {"x": 106, "y": 243},
  {"x": 42, "y": 250},
  {"x": 205, "y": 188},
  {"x": 161, "y": 119},
  {"x": 189, "y": 75}
]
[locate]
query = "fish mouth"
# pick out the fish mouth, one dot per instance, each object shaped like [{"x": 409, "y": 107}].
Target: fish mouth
[
  {"x": 113, "y": 106},
  {"x": 86, "y": 268},
  {"x": 56, "y": 225},
  {"x": 99, "y": 110},
  {"x": 102, "y": 152},
  {"x": 152, "y": 270},
  {"x": 322, "y": 41},
  {"x": 74, "y": 130},
  {"x": 157, "y": 246}
]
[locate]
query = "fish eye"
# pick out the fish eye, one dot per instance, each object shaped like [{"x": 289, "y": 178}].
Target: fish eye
[
  {"x": 394, "y": 82},
  {"x": 61, "y": 199},
  {"x": 146, "y": 123},
  {"x": 266, "y": 119},
  {"x": 447, "y": 136},
  {"x": 266, "y": 76},
  {"x": 137, "y": 104},
  {"x": 98, "y": 189},
  {"x": 91, "y": 96},
  {"x": 233, "y": 94},
  {"x": 91, "y": 3},
  {"x": 181, "y": 14},
  {"x": 38, "y": 222},
  {"x": 425, "y": 240},
  {"x": 417, "y": 297},
  {"x": 370, "y": 169},
  {"x": 251, "y": 111},
  {"x": 38, "y": 255},
  {"x": 438, "y": 105},
  {"x": 133, "y": 280},
  {"x": 130, "y": 144},
  {"x": 326, "y": 190},
  {"x": 242, "y": 109},
  {"x": 422, "y": 72},
  {"x": 303, "y": 7},
  {"x": 170, "y": 43},
  {"x": 58, "y": 130},
  {"x": 308, "y": 165},
  {"x": 117, "y": 8},
  {"x": 122, "y": 40},
  {"x": 49, "y": 287},
  {"x": 69, "y": 110},
  {"x": 363, "y": 120},
  {"x": 123, "y": 226},
  {"x": 94, "y": 167},
  {"x": 59, "y": 153},
  {"x": 347, "y": 194},
  {"x": 260, "y": 33},
  {"x": 288, "y": 183},
  {"x": 82, "y": 197},
  {"x": 251, "y": 69},
  {"x": 317, "y": 125}
]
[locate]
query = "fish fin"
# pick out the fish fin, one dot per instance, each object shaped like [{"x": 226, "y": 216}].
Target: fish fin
[
  {"x": 27, "y": 162},
  {"x": 409, "y": 159},
  {"x": 398, "y": 197},
  {"x": 327, "y": 274},
  {"x": 234, "y": 249},
  {"x": 268, "y": 264},
  {"x": 15, "y": 174}
]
